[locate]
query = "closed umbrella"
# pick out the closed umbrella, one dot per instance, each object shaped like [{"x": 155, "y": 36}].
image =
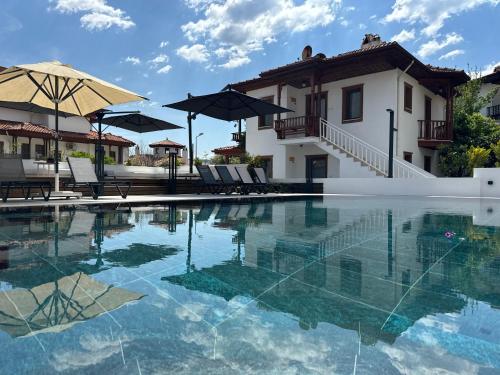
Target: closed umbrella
[
  {"x": 60, "y": 87},
  {"x": 227, "y": 105}
]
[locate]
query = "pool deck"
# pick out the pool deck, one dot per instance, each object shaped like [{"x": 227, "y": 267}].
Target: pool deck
[{"x": 145, "y": 199}]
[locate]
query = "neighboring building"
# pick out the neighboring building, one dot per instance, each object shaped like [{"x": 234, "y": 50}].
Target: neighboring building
[
  {"x": 160, "y": 149},
  {"x": 232, "y": 151},
  {"x": 340, "y": 126},
  {"x": 491, "y": 82},
  {"x": 32, "y": 135}
]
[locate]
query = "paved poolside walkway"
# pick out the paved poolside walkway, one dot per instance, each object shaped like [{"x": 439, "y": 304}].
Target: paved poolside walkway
[{"x": 142, "y": 199}]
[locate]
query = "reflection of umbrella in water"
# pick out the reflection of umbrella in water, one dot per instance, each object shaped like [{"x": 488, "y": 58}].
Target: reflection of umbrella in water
[{"x": 55, "y": 306}]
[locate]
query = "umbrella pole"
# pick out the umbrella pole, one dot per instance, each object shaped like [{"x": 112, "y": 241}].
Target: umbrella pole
[
  {"x": 56, "y": 156},
  {"x": 190, "y": 130}
]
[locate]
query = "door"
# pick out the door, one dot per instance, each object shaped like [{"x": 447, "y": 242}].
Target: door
[
  {"x": 428, "y": 117},
  {"x": 427, "y": 163},
  {"x": 25, "y": 151},
  {"x": 323, "y": 105},
  {"x": 316, "y": 167}
]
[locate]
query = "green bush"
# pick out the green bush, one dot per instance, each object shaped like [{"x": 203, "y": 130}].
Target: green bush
[
  {"x": 471, "y": 129},
  {"x": 495, "y": 147},
  {"x": 80, "y": 154},
  {"x": 476, "y": 158}
]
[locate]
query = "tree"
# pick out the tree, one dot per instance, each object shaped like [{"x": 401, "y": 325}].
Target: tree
[{"x": 471, "y": 129}]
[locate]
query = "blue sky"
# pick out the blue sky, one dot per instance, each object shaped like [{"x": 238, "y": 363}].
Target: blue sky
[{"x": 165, "y": 48}]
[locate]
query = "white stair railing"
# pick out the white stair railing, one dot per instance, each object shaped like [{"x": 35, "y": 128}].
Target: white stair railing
[{"x": 367, "y": 154}]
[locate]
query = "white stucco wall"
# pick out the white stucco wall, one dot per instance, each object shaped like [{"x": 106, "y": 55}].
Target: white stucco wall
[
  {"x": 263, "y": 142},
  {"x": 407, "y": 123}
]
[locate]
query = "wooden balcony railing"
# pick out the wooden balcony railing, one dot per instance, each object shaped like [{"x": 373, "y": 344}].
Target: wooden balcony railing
[
  {"x": 493, "y": 111},
  {"x": 239, "y": 137},
  {"x": 307, "y": 125},
  {"x": 433, "y": 129}
]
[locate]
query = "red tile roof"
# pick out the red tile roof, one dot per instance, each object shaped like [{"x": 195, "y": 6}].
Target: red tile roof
[
  {"x": 28, "y": 129},
  {"x": 388, "y": 55},
  {"x": 228, "y": 151},
  {"x": 166, "y": 143}
]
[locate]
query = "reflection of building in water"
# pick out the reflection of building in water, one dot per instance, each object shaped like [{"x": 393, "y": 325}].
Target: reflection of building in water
[{"x": 342, "y": 265}]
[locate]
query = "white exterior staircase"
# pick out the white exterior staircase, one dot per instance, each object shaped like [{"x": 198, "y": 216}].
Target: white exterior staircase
[{"x": 374, "y": 162}]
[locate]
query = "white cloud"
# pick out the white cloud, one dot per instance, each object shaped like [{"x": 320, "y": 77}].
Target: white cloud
[
  {"x": 97, "y": 14},
  {"x": 118, "y": 79},
  {"x": 362, "y": 26},
  {"x": 196, "y": 53},
  {"x": 149, "y": 93},
  {"x": 133, "y": 60},
  {"x": 343, "y": 22},
  {"x": 160, "y": 59},
  {"x": 433, "y": 46},
  {"x": 431, "y": 13},
  {"x": 404, "y": 36},
  {"x": 452, "y": 54},
  {"x": 236, "y": 62},
  {"x": 488, "y": 69},
  {"x": 373, "y": 16},
  {"x": 249, "y": 25},
  {"x": 164, "y": 43},
  {"x": 165, "y": 69}
]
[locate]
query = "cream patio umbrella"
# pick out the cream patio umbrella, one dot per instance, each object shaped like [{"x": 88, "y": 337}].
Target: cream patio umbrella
[
  {"x": 60, "y": 87},
  {"x": 56, "y": 306}
]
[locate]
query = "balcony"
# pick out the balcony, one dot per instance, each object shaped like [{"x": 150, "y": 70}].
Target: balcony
[
  {"x": 493, "y": 112},
  {"x": 239, "y": 137},
  {"x": 307, "y": 126},
  {"x": 432, "y": 133}
]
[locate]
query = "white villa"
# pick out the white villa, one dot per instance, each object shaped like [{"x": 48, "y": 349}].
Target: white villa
[
  {"x": 340, "y": 123},
  {"x": 491, "y": 82},
  {"x": 32, "y": 136},
  {"x": 161, "y": 148}
]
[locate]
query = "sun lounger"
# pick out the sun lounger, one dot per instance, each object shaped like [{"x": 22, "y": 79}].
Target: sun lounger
[
  {"x": 12, "y": 176},
  {"x": 208, "y": 181},
  {"x": 83, "y": 174},
  {"x": 206, "y": 211},
  {"x": 247, "y": 183},
  {"x": 230, "y": 184},
  {"x": 261, "y": 175}
]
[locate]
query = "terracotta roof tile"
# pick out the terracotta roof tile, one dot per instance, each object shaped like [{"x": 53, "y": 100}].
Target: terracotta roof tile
[
  {"x": 29, "y": 129},
  {"x": 166, "y": 143},
  {"x": 228, "y": 151}
]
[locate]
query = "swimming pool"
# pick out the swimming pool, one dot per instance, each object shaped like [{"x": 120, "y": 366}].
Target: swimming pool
[{"x": 332, "y": 285}]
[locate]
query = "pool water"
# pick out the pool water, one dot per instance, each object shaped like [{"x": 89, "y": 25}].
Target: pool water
[{"x": 332, "y": 285}]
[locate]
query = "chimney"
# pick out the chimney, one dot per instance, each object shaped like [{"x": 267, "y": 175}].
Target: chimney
[
  {"x": 307, "y": 53},
  {"x": 370, "y": 40}
]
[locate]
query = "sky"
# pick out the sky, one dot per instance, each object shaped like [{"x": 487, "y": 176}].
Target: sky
[{"x": 164, "y": 49}]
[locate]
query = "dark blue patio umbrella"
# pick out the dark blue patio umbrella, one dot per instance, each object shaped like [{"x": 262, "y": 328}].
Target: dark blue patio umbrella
[{"x": 227, "y": 105}]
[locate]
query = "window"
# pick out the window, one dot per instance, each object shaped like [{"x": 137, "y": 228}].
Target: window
[
  {"x": 266, "y": 121},
  {"x": 112, "y": 155},
  {"x": 352, "y": 104},
  {"x": 2, "y": 148},
  {"x": 408, "y": 156},
  {"x": 427, "y": 163},
  {"x": 408, "y": 97},
  {"x": 39, "y": 152}
]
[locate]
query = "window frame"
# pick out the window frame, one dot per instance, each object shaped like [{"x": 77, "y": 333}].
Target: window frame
[
  {"x": 261, "y": 120},
  {"x": 407, "y": 108},
  {"x": 345, "y": 93}
]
